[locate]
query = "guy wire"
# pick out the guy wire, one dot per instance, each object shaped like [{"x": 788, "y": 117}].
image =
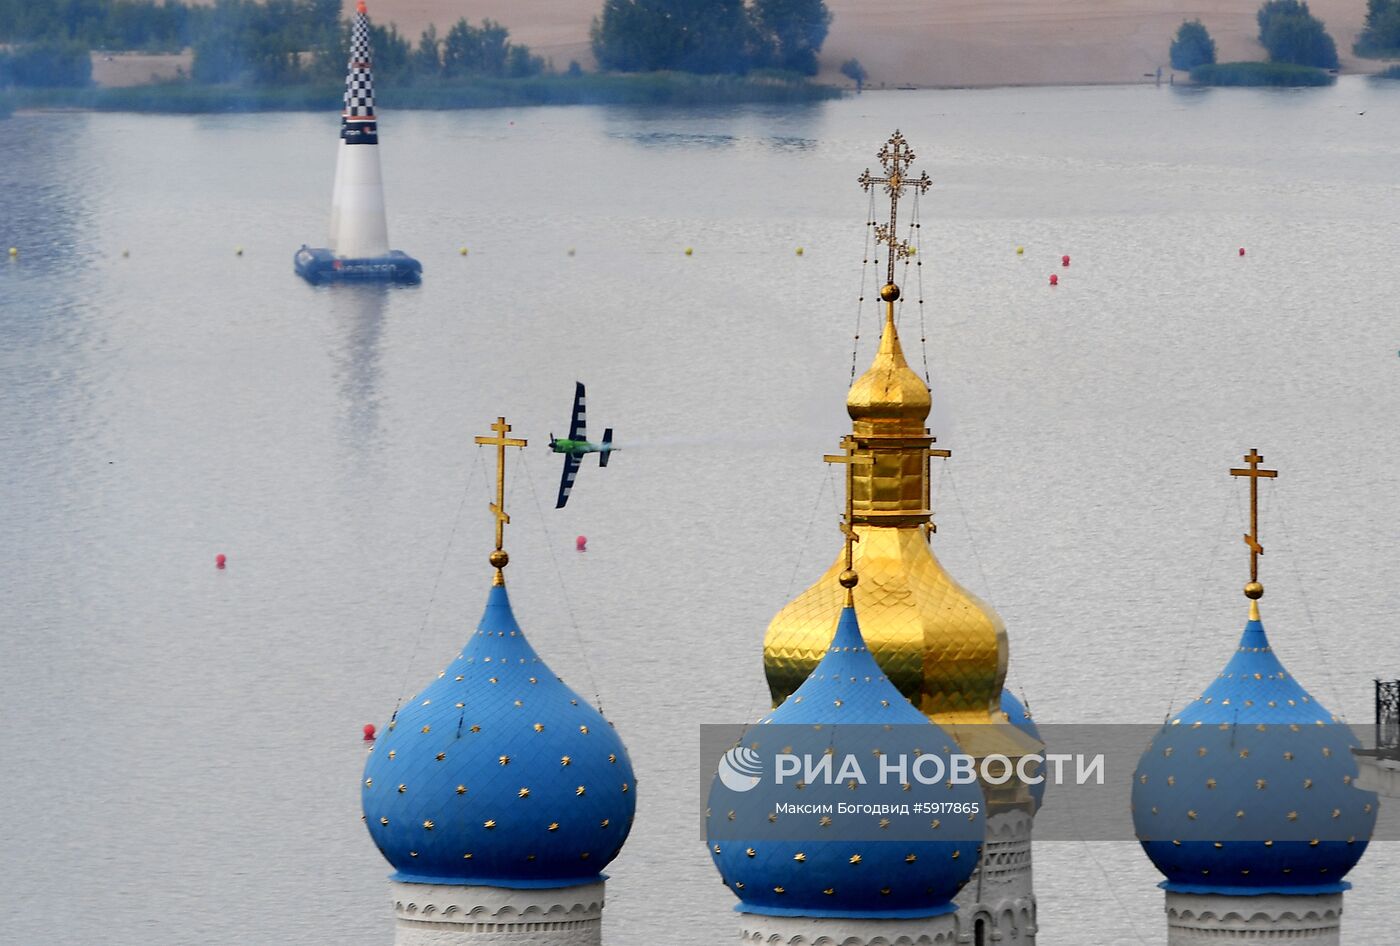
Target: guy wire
[
  {"x": 1275, "y": 497},
  {"x": 1231, "y": 498},
  {"x": 437, "y": 579},
  {"x": 564, "y": 591},
  {"x": 864, "y": 271}
]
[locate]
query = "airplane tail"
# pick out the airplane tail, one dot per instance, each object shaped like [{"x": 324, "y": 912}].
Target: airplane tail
[{"x": 607, "y": 448}]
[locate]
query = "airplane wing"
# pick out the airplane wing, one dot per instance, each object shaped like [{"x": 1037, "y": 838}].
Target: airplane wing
[
  {"x": 576, "y": 426},
  {"x": 566, "y": 482}
]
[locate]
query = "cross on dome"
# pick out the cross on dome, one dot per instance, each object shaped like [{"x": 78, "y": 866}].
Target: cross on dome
[
  {"x": 895, "y": 156},
  {"x": 499, "y": 558},
  {"x": 1254, "y": 590}
]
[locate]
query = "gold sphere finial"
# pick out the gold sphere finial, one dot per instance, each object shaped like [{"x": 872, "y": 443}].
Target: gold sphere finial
[
  {"x": 889, "y": 292},
  {"x": 848, "y": 579},
  {"x": 500, "y": 558},
  {"x": 1254, "y": 591}
]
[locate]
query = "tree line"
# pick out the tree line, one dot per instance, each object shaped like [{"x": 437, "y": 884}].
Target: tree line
[
  {"x": 280, "y": 42},
  {"x": 1288, "y": 31},
  {"x": 710, "y": 36},
  {"x": 275, "y": 42}
]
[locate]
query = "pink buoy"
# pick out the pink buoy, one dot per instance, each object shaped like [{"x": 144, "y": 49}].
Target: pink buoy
[
  {"x": 220, "y": 560},
  {"x": 369, "y": 732},
  {"x": 1054, "y": 280},
  {"x": 1064, "y": 260},
  {"x": 1241, "y": 251},
  {"x": 581, "y": 543}
]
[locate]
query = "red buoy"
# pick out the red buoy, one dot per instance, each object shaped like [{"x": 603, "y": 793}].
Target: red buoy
[
  {"x": 220, "y": 561},
  {"x": 1064, "y": 260},
  {"x": 369, "y": 732},
  {"x": 1241, "y": 251},
  {"x": 1054, "y": 280},
  {"x": 581, "y": 543}
]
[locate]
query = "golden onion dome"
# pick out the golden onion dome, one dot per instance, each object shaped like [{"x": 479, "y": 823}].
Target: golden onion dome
[
  {"x": 944, "y": 649},
  {"x": 889, "y": 397}
]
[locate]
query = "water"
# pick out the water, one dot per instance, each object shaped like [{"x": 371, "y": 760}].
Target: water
[{"x": 181, "y": 745}]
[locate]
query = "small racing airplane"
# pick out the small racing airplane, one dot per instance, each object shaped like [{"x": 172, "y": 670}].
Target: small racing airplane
[{"x": 577, "y": 446}]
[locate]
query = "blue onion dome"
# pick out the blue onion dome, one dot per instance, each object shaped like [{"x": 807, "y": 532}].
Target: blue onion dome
[
  {"x": 858, "y": 863},
  {"x": 1017, "y": 715},
  {"x": 1251, "y": 789},
  {"x": 498, "y": 774}
]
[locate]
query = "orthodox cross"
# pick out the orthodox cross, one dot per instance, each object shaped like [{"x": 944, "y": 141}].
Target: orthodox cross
[
  {"x": 499, "y": 558},
  {"x": 849, "y": 445},
  {"x": 895, "y": 156},
  {"x": 1252, "y": 539}
]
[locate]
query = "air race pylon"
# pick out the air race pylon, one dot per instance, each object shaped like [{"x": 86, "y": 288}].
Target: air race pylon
[{"x": 359, "y": 238}]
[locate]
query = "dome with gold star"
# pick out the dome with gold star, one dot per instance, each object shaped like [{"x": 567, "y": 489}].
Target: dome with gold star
[
  {"x": 827, "y": 866},
  {"x": 497, "y": 773},
  {"x": 1251, "y": 789}
]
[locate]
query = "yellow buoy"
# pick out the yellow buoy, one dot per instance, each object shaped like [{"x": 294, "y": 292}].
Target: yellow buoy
[
  {"x": 463, "y": 251},
  {"x": 799, "y": 251},
  {"x": 1020, "y": 251},
  {"x": 14, "y": 251},
  {"x": 238, "y": 251},
  {"x": 689, "y": 251},
  {"x": 912, "y": 251}
]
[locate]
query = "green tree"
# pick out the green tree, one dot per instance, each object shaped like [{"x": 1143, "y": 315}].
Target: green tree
[
  {"x": 1382, "y": 33},
  {"x": 794, "y": 30},
  {"x": 705, "y": 36},
  {"x": 48, "y": 63},
  {"x": 427, "y": 58},
  {"x": 853, "y": 70},
  {"x": 1192, "y": 47},
  {"x": 486, "y": 50},
  {"x": 1291, "y": 34},
  {"x": 244, "y": 41}
]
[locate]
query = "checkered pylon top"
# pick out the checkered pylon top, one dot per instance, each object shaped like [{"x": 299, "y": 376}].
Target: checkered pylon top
[{"x": 359, "y": 80}]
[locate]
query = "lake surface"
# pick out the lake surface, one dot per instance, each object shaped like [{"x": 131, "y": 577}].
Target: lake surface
[{"x": 181, "y": 746}]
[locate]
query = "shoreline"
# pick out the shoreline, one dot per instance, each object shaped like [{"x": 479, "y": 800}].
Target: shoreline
[{"x": 636, "y": 89}]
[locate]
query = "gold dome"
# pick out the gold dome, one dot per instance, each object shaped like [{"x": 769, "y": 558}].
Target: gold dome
[
  {"x": 889, "y": 397},
  {"x": 942, "y": 648}
]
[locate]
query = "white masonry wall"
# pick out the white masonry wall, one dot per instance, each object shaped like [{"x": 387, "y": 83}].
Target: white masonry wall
[
  {"x": 1202, "y": 920},
  {"x": 1001, "y": 894},
  {"x": 442, "y": 915}
]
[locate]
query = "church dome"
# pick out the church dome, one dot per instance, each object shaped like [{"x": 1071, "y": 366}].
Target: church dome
[
  {"x": 498, "y": 773},
  {"x": 784, "y": 865},
  {"x": 944, "y": 648},
  {"x": 889, "y": 397},
  {"x": 1251, "y": 788}
]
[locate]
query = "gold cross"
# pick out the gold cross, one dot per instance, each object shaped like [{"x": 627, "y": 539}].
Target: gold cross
[
  {"x": 1252, "y": 539},
  {"x": 895, "y": 156},
  {"x": 499, "y": 558},
  {"x": 849, "y": 445}
]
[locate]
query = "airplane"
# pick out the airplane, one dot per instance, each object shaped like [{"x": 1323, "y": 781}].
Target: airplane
[{"x": 577, "y": 446}]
